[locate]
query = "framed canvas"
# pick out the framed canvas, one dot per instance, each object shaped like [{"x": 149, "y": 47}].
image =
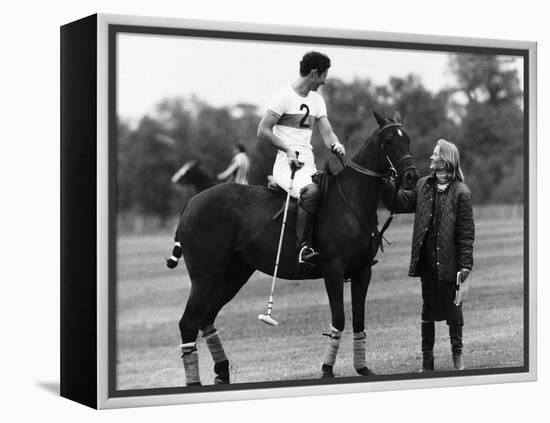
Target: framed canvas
[{"x": 172, "y": 262}]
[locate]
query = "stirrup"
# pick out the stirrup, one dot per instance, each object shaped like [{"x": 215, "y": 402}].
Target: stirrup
[{"x": 308, "y": 257}]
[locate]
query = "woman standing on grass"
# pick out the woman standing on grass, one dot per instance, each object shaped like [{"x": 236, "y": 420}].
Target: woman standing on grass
[{"x": 442, "y": 244}]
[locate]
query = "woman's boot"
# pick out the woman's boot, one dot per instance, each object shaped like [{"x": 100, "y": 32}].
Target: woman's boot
[
  {"x": 428, "y": 340},
  {"x": 455, "y": 333}
]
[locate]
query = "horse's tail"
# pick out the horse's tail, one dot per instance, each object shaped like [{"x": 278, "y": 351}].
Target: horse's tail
[
  {"x": 172, "y": 262},
  {"x": 176, "y": 254}
]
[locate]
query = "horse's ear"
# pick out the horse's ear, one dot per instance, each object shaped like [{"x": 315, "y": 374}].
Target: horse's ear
[
  {"x": 397, "y": 116},
  {"x": 381, "y": 121}
]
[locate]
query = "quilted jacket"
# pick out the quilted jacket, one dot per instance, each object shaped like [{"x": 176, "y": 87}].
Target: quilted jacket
[{"x": 455, "y": 233}]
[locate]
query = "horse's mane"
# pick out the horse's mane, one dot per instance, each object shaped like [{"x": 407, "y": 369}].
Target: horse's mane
[{"x": 360, "y": 153}]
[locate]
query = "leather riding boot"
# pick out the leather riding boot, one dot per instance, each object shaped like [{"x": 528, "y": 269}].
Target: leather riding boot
[
  {"x": 307, "y": 257},
  {"x": 428, "y": 340},
  {"x": 455, "y": 333}
]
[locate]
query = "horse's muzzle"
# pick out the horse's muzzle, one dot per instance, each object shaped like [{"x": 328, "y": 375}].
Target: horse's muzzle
[{"x": 409, "y": 178}]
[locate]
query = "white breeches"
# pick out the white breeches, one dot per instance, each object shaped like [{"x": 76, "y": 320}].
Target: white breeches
[{"x": 281, "y": 173}]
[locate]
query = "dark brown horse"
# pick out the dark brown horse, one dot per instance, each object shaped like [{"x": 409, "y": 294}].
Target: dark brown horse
[
  {"x": 194, "y": 174},
  {"x": 227, "y": 232}
]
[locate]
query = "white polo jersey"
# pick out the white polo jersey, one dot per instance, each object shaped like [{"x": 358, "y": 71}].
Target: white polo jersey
[{"x": 296, "y": 117}]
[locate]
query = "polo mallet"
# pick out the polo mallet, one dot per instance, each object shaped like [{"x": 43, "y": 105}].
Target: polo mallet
[{"x": 266, "y": 318}]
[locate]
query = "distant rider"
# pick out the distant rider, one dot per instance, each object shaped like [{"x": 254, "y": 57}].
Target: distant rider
[{"x": 238, "y": 169}]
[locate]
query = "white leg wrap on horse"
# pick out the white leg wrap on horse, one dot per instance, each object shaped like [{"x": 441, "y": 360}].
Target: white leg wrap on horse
[
  {"x": 359, "y": 350},
  {"x": 214, "y": 344},
  {"x": 332, "y": 350},
  {"x": 190, "y": 363}
]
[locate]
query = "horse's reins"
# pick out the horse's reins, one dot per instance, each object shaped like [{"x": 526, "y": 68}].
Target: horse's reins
[{"x": 348, "y": 163}]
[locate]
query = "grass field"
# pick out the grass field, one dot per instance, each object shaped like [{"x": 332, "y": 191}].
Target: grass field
[{"x": 151, "y": 299}]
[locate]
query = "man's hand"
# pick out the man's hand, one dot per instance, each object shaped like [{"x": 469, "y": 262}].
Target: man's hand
[
  {"x": 338, "y": 149},
  {"x": 293, "y": 159}
]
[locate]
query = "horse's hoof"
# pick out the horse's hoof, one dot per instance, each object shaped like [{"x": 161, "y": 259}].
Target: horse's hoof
[
  {"x": 365, "y": 371},
  {"x": 221, "y": 370},
  {"x": 194, "y": 384},
  {"x": 221, "y": 381},
  {"x": 326, "y": 372}
]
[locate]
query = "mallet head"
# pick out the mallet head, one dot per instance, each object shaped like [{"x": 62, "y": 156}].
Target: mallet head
[{"x": 267, "y": 319}]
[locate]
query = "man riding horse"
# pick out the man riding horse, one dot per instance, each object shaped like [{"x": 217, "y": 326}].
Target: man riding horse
[
  {"x": 288, "y": 124},
  {"x": 224, "y": 246}
]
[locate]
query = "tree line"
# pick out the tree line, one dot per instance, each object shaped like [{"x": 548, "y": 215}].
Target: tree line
[{"x": 482, "y": 113}]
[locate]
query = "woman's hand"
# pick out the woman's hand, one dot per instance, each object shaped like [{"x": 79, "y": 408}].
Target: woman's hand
[{"x": 465, "y": 273}]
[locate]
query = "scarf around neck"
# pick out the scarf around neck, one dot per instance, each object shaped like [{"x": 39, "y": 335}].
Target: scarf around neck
[{"x": 443, "y": 180}]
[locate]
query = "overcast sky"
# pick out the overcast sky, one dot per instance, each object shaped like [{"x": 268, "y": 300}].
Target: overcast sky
[{"x": 224, "y": 73}]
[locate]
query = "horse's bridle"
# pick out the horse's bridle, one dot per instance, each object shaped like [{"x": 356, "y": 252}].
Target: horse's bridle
[
  {"x": 392, "y": 172},
  {"x": 389, "y": 125}
]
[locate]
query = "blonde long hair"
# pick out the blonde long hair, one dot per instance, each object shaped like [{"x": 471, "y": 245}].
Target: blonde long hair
[{"x": 448, "y": 152}]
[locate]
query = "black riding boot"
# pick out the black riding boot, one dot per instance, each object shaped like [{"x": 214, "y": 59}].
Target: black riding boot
[
  {"x": 428, "y": 340},
  {"x": 307, "y": 257},
  {"x": 455, "y": 333}
]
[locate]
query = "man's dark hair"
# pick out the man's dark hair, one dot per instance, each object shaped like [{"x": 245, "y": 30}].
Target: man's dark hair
[
  {"x": 314, "y": 60},
  {"x": 240, "y": 147}
]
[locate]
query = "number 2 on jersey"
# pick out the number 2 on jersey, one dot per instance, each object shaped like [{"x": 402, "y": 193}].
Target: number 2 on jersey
[{"x": 303, "y": 121}]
